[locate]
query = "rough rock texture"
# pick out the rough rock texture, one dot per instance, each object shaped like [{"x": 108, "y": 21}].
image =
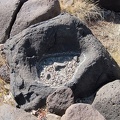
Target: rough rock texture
[
  {"x": 5, "y": 73},
  {"x": 82, "y": 111},
  {"x": 8, "y": 9},
  {"x": 110, "y": 4},
  {"x": 107, "y": 100},
  {"x": 8, "y": 112},
  {"x": 52, "y": 117},
  {"x": 62, "y": 35},
  {"x": 35, "y": 11},
  {"x": 60, "y": 100}
]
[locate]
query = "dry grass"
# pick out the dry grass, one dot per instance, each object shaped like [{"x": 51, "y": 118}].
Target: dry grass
[
  {"x": 109, "y": 34},
  {"x": 3, "y": 91},
  {"x": 85, "y": 10}
]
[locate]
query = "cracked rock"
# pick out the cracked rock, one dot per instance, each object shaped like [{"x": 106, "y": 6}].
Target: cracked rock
[{"x": 8, "y": 12}]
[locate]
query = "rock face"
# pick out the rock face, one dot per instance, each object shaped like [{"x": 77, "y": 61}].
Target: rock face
[
  {"x": 8, "y": 9},
  {"x": 35, "y": 11},
  {"x": 16, "y": 15},
  {"x": 57, "y": 37},
  {"x": 8, "y": 112},
  {"x": 82, "y": 112},
  {"x": 60, "y": 100},
  {"x": 107, "y": 100},
  {"x": 110, "y": 4}
]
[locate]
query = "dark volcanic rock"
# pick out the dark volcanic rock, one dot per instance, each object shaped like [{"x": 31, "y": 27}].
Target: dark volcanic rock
[
  {"x": 63, "y": 34},
  {"x": 8, "y": 112},
  {"x": 35, "y": 11},
  {"x": 82, "y": 111},
  {"x": 107, "y": 100},
  {"x": 113, "y": 5},
  {"x": 60, "y": 100}
]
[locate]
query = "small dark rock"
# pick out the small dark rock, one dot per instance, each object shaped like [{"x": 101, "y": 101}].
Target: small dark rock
[{"x": 60, "y": 100}]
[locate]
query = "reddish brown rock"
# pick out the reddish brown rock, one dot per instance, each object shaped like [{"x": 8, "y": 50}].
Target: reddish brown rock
[
  {"x": 60, "y": 100},
  {"x": 82, "y": 112}
]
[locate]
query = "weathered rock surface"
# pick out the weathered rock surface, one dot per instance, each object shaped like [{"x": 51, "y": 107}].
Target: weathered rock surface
[
  {"x": 63, "y": 34},
  {"x": 60, "y": 100},
  {"x": 110, "y": 4},
  {"x": 82, "y": 111},
  {"x": 8, "y": 112},
  {"x": 52, "y": 117},
  {"x": 5, "y": 73},
  {"x": 16, "y": 15},
  {"x": 8, "y": 12},
  {"x": 107, "y": 100},
  {"x": 35, "y": 11}
]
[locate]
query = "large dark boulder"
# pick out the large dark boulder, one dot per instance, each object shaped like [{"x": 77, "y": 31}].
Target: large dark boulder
[
  {"x": 60, "y": 36},
  {"x": 113, "y": 5}
]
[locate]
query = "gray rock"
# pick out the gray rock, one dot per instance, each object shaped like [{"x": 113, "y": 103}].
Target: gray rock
[
  {"x": 63, "y": 34},
  {"x": 8, "y": 12},
  {"x": 35, "y": 11},
  {"x": 82, "y": 111},
  {"x": 8, "y": 112},
  {"x": 60, "y": 100},
  {"x": 5, "y": 73},
  {"x": 110, "y": 4},
  {"x": 52, "y": 117},
  {"x": 107, "y": 100}
]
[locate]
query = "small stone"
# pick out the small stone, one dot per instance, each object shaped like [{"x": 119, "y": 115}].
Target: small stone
[
  {"x": 59, "y": 66},
  {"x": 52, "y": 117},
  {"x": 60, "y": 100},
  {"x": 48, "y": 76}
]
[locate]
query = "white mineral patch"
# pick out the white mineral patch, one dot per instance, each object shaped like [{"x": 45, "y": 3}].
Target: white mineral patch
[{"x": 56, "y": 70}]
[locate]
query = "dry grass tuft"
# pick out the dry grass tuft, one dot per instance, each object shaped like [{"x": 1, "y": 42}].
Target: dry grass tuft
[
  {"x": 3, "y": 91},
  {"x": 109, "y": 34},
  {"x": 85, "y": 10}
]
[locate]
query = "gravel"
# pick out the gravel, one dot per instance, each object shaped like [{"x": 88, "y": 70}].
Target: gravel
[{"x": 56, "y": 69}]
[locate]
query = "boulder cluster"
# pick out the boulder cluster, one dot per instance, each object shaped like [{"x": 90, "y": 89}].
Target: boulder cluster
[{"x": 55, "y": 61}]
